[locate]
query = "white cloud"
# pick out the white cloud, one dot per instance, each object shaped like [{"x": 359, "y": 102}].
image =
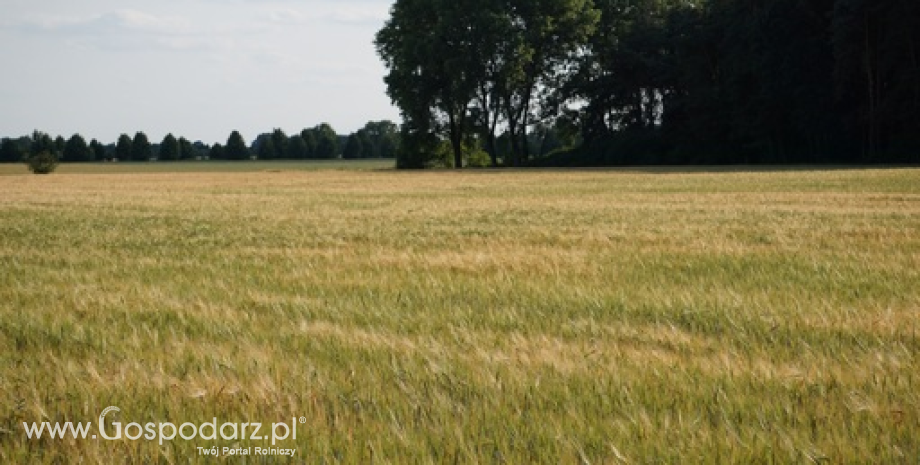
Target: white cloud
[
  {"x": 327, "y": 12},
  {"x": 120, "y": 21}
]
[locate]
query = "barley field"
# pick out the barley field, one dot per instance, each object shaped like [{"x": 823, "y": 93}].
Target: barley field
[{"x": 584, "y": 316}]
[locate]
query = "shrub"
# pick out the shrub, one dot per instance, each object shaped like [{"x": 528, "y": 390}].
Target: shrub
[
  {"x": 477, "y": 157},
  {"x": 43, "y": 162}
]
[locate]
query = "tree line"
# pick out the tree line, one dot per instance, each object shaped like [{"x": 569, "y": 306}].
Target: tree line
[
  {"x": 614, "y": 82},
  {"x": 377, "y": 139}
]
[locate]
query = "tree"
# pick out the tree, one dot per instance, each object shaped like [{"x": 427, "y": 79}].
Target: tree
[
  {"x": 547, "y": 37},
  {"x": 477, "y": 61},
  {"x": 382, "y": 136},
  {"x": 388, "y": 146},
  {"x": 432, "y": 70},
  {"x": 217, "y": 152},
  {"x": 309, "y": 139},
  {"x": 369, "y": 147},
  {"x": 43, "y": 155},
  {"x": 876, "y": 47},
  {"x": 666, "y": 81},
  {"x": 169, "y": 148},
  {"x": 140, "y": 147},
  {"x": 59, "y": 145},
  {"x": 418, "y": 148},
  {"x": 76, "y": 150},
  {"x": 266, "y": 148},
  {"x": 280, "y": 143},
  {"x": 186, "y": 150},
  {"x": 353, "y": 148},
  {"x": 98, "y": 149},
  {"x": 296, "y": 148},
  {"x": 236, "y": 148},
  {"x": 327, "y": 141},
  {"x": 10, "y": 151},
  {"x": 42, "y": 142},
  {"x": 124, "y": 147}
]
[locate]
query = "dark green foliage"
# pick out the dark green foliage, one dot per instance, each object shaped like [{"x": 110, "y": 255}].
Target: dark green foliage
[
  {"x": 658, "y": 81},
  {"x": 265, "y": 149},
  {"x": 309, "y": 139},
  {"x": 42, "y": 142},
  {"x": 236, "y": 148},
  {"x": 417, "y": 149},
  {"x": 59, "y": 145},
  {"x": 44, "y": 162},
  {"x": 77, "y": 150},
  {"x": 369, "y": 149},
  {"x": 432, "y": 69},
  {"x": 353, "y": 148},
  {"x": 779, "y": 81},
  {"x": 217, "y": 152},
  {"x": 98, "y": 149},
  {"x": 296, "y": 148},
  {"x": 187, "y": 151},
  {"x": 479, "y": 62},
  {"x": 876, "y": 46},
  {"x": 140, "y": 147},
  {"x": 380, "y": 139},
  {"x": 169, "y": 148},
  {"x": 327, "y": 143},
  {"x": 10, "y": 152},
  {"x": 279, "y": 143},
  {"x": 123, "y": 148}
]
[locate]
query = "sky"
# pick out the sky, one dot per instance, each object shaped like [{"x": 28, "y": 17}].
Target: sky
[{"x": 194, "y": 68}]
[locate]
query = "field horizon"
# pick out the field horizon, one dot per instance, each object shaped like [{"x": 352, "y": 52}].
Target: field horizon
[{"x": 630, "y": 315}]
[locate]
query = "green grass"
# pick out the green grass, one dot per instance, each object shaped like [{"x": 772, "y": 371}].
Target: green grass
[{"x": 595, "y": 316}]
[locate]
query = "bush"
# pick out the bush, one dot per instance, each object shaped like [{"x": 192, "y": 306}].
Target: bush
[
  {"x": 477, "y": 158},
  {"x": 42, "y": 163},
  {"x": 417, "y": 150}
]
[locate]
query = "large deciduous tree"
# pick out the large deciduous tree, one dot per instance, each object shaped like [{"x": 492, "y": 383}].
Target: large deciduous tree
[
  {"x": 476, "y": 64},
  {"x": 432, "y": 69}
]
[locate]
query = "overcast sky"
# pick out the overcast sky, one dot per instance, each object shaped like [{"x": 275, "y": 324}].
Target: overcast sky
[{"x": 195, "y": 68}]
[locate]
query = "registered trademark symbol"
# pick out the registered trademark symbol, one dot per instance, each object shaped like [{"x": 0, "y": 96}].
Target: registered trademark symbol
[{"x": 303, "y": 420}]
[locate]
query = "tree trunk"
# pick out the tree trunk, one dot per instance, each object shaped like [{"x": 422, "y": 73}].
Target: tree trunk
[
  {"x": 456, "y": 140},
  {"x": 489, "y": 122},
  {"x": 490, "y": 147},
  {"x": 871, "y": 81},
  {"x": 525, "y": 121},
  {"x": 512, "y": 133}
]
